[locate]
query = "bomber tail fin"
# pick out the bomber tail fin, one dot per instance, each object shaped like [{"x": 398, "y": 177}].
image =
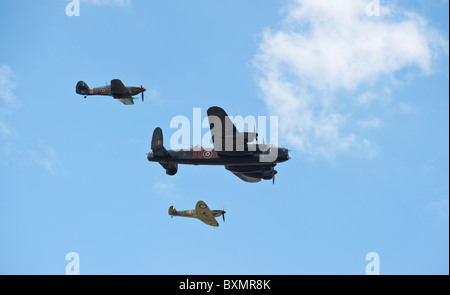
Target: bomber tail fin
[
  {"x": 157, "y": 140},
  {"x": 158, "y": 148},
  {"x": 161, "y": 154}
]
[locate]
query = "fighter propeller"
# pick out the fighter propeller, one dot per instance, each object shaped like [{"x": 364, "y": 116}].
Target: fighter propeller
[
  {"x": 142, "y": 92},
  {"x": 223, "y": 214}
]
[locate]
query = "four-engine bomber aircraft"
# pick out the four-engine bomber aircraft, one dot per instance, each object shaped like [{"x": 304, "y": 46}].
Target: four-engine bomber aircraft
[
  {"x": 201, "y": 212},
  {"x": 249, "y": 162},
  {"x": 117, "y": 90}
]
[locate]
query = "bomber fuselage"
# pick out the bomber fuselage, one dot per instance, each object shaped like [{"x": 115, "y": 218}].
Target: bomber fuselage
[{"x": 197, "y": 156}]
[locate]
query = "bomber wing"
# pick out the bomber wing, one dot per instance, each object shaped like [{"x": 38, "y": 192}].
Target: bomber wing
[
  {"x": 252, "y": 173},
  {"x": 204, "y": 214},
  {"x": 216, "y": 116},
  {"x": 247, "y": 178},
  {"x": 224, "y": 133}
]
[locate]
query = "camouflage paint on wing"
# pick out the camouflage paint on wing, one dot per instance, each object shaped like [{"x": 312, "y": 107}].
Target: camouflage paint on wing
[{"x": 205, "y": 214}]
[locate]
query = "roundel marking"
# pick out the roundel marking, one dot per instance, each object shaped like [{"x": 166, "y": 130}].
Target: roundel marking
[
  {"x": 207, "y": 154},
  {"x": 190, "y": 212},
  {"x": 203, "y": 206},
  {"x": 103, "y": 90}
]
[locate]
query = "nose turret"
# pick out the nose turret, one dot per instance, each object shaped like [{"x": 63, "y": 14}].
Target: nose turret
[{"x": 283, "y": 154}]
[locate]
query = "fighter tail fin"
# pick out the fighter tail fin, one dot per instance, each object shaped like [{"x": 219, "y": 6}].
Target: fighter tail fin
[
  {"x": 172, "y": 210},
  {"x": 82, "y": 88}
]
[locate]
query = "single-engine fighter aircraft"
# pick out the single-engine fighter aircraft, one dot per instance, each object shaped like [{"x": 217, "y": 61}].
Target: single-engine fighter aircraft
[
  {"x": 117, "y": 90},
  {"x": 249, "y": 162},
  {"x": 201, "y": 212}
]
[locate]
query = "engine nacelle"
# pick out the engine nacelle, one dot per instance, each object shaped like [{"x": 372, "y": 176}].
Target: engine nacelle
[
  {"x": 171, "y": 171},
  {"x": 171, "y": 168}
]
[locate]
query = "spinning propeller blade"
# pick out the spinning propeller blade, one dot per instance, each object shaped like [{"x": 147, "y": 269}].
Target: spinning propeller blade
[
  {"x": 223, "y": 214},
  {"x": 142, "y": 92}
]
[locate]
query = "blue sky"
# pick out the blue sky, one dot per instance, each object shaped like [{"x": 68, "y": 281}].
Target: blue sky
[{"x": 362, "y": 104}]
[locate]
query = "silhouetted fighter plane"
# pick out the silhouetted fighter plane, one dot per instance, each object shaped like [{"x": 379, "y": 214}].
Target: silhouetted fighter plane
[
  {"x": 117, "y": 90},
  {"x": 201, "y": 212},
  {"x": 249, "y": 162}
]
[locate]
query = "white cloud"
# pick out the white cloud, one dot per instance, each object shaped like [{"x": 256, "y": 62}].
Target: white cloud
[
  {"x": 46, "y": 156},
  {"x": 329, "y": 51},
  {"x": 370, "y": 122},
  {"x": 8, "y": 100},
  {"x": 366, "y": 97},
  {"x": 164, "y": 187},
  {"x": 5, "y": 130},
  {"x": 441, "y": 207},
  {"x": 6, "y": 86},
  {"x": 406, "y": 108}
]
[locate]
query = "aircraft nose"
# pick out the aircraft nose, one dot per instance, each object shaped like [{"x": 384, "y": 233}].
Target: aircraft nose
[{"x": 143, "y": 89}]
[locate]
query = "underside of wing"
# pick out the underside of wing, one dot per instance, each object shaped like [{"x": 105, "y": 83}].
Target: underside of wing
[
  {"x": 205, "y": 214},
  {"x": 247, "y": 178},
  {"x": 126, "y": 101},
  {"x": 118, "y": 90},
  {"x": 253, "y": 173},
  {"x": 210, "y": 221}
]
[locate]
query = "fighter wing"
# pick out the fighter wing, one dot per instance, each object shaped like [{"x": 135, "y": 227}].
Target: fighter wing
[
  {"x": 118, "y": 90},
  {"x": 204, "y": 214},
  {"x": 127, "y": 101}
]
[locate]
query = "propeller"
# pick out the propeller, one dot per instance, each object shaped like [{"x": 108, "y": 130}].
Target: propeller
[
  {"x": 223, "y": 214},
  {"x": 142, "y": 92},
  {"x": 273, "y": 176}
]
